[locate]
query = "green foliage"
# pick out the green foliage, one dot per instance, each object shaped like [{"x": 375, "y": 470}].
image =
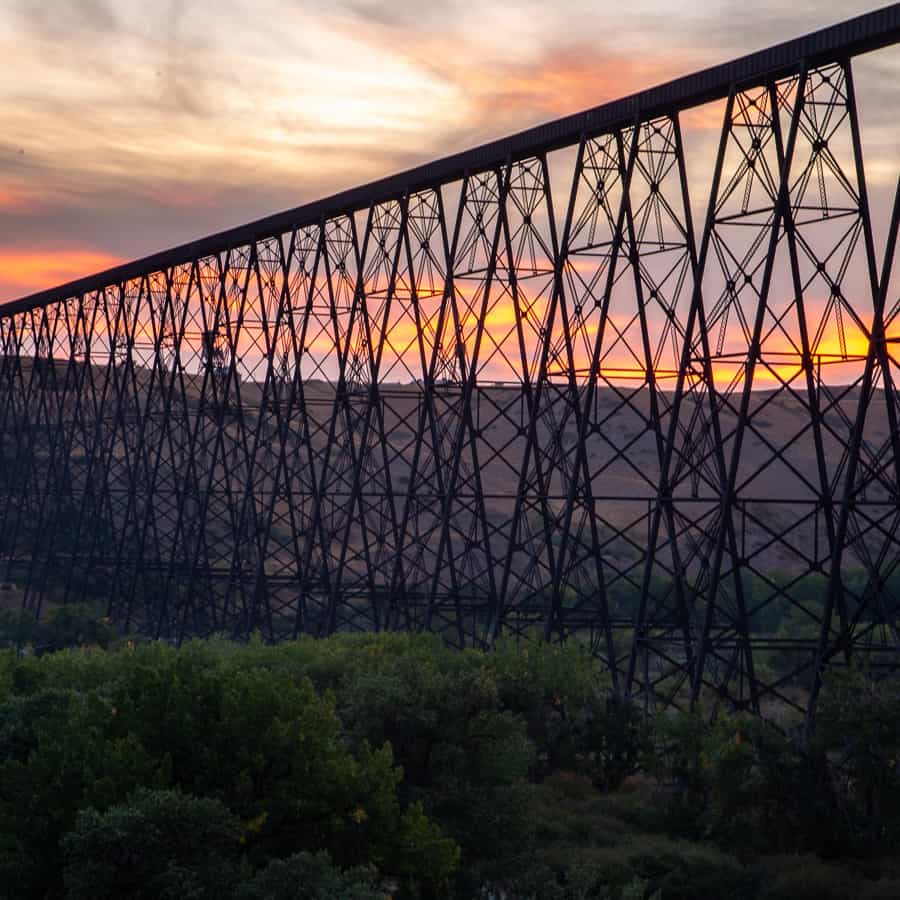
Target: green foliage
[
  {"x": 60, "y": 751},
  {"x": 859, "y": 725},
  {"x": 679, "y": 870},
  {"x": 157, "y": 844},
  {"x": 741, "y": 783},
  {"x": 768, "y": 792},
  {"x": 572, "y": 718},
  {"x": 362, "y": 766},
  {"x": 464, "y": 756},
  {"x": 307, "y": 876},
  {"x": 803, "y": 877},
  {"x": 644, "y": 866},
  {"x": 73, "y": 625},
  {"x": 18, "y": 628},
  {"x": 425, "y": 855},
  {"x": 81, "y": 731}
]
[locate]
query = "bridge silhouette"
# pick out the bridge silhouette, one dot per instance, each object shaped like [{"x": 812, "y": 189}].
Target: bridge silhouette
[{"x": 456, "y": 400}]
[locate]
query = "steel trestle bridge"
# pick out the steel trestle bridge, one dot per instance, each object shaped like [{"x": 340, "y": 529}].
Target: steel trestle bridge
[{"x": 453, "y": 400}]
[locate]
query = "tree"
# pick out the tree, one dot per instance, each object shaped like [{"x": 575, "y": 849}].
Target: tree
[
  {"x": 858, "y": 726},
  {"x": 158, "y": 845},
  {"x": 60, "y": 752},
  {"x": 308, "y": 876}
]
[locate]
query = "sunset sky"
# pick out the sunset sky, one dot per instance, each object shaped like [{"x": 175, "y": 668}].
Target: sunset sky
[{"x": 130, "y": 127}]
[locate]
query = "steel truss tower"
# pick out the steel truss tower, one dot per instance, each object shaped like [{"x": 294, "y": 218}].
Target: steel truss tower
[{"x": 448, "y": 400}]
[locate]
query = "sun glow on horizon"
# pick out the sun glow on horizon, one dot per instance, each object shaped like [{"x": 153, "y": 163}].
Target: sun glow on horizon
[{"x": 26, "y": 271}]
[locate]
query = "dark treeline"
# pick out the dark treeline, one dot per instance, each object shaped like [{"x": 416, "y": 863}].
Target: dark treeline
[{"x": 379, "y": 766}]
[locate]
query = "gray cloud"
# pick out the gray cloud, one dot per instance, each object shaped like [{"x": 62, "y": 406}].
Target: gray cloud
[{"x": 63, "y": 18}]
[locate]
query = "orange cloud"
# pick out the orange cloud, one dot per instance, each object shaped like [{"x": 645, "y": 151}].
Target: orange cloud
[
  {"x": 556, "y": 85},
  {"x": 708, "y": 117},
  {"x": 26, "y": 271}
]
